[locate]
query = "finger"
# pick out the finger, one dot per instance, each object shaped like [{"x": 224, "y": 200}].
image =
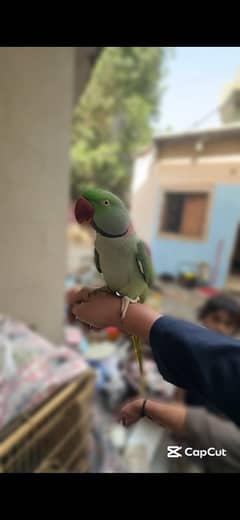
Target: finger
[
  {"x": 79, "y": 298},
  {"x": 71, "y": 295},
  {"x": 127, "y": 408},
  {"x": 82, "y": 313},
  {"x": 78, "y": 310},
  {"x": 82, "y": 295},
  {"x": 124, "y": 421},
  {"x": 87, "y": 294}
]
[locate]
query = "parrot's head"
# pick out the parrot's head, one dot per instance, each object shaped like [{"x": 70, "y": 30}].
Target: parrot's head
[{"x": 104, "y": 211}]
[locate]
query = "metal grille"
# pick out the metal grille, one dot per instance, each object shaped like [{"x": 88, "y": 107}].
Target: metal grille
[{"x": 54, "y": 438}]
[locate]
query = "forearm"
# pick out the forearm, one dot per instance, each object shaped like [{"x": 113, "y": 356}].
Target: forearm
[
  {"x": 191, "y": 357},
  {"x": 199, "y": 429},
  {"x": 199, "y": 360},
  {"x": 188, "y": 356},
  {"x": 169, "y": 415},
  {"x": 139, "y": 320}
]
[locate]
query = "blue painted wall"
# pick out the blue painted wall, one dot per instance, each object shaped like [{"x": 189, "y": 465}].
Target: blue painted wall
[{"x": 170, "y": 255}]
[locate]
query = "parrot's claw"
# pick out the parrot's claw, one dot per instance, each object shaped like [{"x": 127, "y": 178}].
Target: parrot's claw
[{"x": 125, "y": 304}]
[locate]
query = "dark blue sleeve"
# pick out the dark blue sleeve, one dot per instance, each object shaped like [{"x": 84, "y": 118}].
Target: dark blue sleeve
[{"x": 199, "y": 360}]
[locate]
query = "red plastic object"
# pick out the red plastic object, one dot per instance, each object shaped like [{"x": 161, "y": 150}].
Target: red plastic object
[
  {"x": 113, "y": 333},
  {"x": 209, "y": 291}
]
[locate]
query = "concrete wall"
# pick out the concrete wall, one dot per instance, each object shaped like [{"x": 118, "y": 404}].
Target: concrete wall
[
  {"x": 85, "y": 58},
  {"x": 224, "y": 225},
  {"x": 36, "y": 89},
  {"x": 170, "y": 255},
  {"x": 180, "y": 166}
]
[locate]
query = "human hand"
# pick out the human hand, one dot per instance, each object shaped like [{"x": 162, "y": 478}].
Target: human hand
[
  {"x": 168, "y": 415},
  {"x": 99, "y": 310},
  {"x": 103, "y": 310},
  {"x": 131, "y": 412},
  {"x": 74, "y": 295}
]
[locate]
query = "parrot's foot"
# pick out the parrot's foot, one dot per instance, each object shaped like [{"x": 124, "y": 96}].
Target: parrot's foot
[{"x": 125, "y": 304}]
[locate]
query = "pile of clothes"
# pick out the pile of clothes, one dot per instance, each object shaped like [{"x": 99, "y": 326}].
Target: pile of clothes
[{"x": 31, "y": 369}]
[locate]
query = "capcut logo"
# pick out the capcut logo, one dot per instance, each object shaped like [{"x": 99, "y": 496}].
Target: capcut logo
[{"x": 175, "y": 452}]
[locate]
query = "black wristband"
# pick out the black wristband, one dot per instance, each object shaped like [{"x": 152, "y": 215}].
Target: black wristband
[{"x": 143, "y": 408}]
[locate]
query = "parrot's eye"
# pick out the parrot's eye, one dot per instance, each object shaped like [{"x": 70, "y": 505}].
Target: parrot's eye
[{"x": 106, "y": 203}]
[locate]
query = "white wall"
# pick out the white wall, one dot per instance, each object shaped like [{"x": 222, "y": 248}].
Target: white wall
[
  {"x": 36, "y": 88},
  {"x": 142, "y": 196}
]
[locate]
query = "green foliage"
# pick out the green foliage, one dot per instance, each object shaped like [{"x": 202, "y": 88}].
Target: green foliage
[{"x": 111, "y": 122}]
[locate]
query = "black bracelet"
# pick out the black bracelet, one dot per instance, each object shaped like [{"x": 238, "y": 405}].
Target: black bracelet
[{"x": 143, "y": 414}]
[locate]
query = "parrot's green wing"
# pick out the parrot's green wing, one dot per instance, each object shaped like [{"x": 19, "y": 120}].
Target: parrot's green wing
[
  {"x": 97, "y": 261},
  {"x": 144, "y": 263}
]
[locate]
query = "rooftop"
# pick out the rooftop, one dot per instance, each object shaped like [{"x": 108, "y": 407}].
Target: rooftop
[{"x": 224, "y": 130}]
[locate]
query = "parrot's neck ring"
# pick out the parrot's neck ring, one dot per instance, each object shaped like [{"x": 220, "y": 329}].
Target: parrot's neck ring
[{"x": 108, "y": 235}]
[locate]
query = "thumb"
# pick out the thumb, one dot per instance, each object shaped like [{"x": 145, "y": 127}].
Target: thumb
[{"x": 77, "y": 310}]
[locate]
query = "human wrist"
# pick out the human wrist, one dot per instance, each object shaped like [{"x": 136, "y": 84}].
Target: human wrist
[
  {"x": 138, "y": 405},
  {"x": 139, "y": 320},
  {"x": 167, "y": 415}
]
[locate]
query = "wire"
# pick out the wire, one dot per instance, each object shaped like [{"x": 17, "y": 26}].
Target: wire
[{"x": 206, "y": 117}]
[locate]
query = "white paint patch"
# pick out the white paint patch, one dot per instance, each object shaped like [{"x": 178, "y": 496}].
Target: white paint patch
[{"x": 141, "y": 171}]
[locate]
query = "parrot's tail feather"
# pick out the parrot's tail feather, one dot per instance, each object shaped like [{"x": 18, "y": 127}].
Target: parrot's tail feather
[{"x": 138, "y": 351}]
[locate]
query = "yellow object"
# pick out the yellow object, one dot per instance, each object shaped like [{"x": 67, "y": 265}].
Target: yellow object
[
  {"x": 189, "y": 275},
  {"x": 138, "y": 351}
]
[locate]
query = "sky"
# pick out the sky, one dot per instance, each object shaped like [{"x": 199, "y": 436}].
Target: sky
[{"x": 195, "y": 80}]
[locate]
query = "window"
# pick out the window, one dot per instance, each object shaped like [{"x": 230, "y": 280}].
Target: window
[{"x": 184, "y": 213}]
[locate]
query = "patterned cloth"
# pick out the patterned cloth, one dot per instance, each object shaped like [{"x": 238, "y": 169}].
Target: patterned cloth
[{"x": 31, "y": 369}]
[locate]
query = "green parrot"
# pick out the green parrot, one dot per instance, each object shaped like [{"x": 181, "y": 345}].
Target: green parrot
[{"x": 120, "y": 256}]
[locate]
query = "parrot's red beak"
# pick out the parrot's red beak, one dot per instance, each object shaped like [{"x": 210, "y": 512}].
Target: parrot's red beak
[{"x": 83, "y": 211}]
